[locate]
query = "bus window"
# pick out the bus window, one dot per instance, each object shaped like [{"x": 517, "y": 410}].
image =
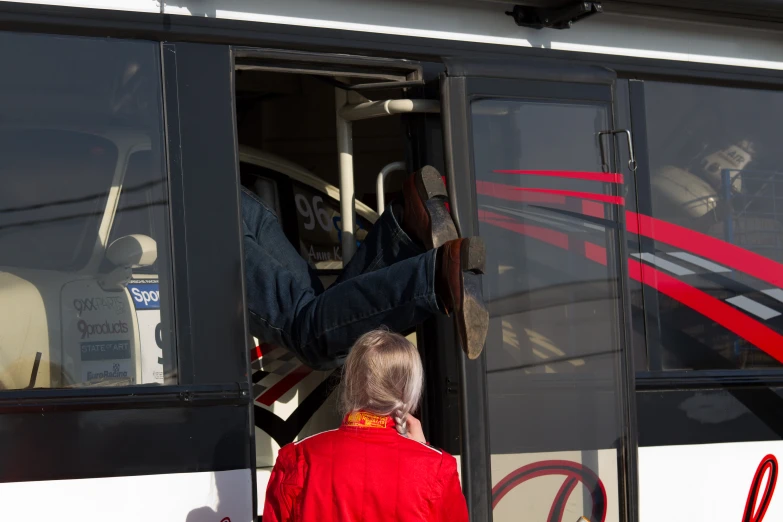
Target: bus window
[
  {"x": 80, "y": 151},
  {"x": 711, "y": 232}
]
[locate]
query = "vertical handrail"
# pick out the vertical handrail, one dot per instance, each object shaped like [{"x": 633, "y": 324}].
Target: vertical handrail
[
  {"x": 345, "y": 165},
  {"x": 379, "y": 183}
]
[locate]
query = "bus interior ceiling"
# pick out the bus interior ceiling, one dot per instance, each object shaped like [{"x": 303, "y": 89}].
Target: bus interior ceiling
[{"x": 293, "y": 116}]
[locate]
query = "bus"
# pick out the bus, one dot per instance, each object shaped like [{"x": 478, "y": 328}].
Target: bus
[{"x": 617, "y": 157}]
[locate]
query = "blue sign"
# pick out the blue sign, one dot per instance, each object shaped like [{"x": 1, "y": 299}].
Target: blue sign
[{"x": 146, "y": 296}]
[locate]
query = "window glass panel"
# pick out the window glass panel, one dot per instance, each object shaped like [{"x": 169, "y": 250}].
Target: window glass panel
[
  {"x": 83, "y": 213},
  {"x": 712, "y": 251},
  {"x": 547, "y": 214}
]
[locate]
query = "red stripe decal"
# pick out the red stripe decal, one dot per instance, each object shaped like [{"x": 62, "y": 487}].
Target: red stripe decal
[
  {"x": 283, "y": 385},
  {"x": 255, "y": 353},
  {"x": 591, "y": 208},
  {"x": 259, "y": 351},
  {"x": 709, "y": 247},
  {"x": 610, "y": 177},
  {"x": 553, "y": 237},
  {"x": 595, "y": 253},
  {"x": 725, "y": 315},
  {"x": 617, "y": 200},
  {"x": 509, "y": 193},
  {"x": 755, "y": 509}
]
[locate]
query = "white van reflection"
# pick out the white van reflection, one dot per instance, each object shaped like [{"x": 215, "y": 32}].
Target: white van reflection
[{"x": 68, "y": 318}]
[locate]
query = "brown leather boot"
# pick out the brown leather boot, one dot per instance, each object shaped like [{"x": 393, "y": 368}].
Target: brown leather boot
[
  {"x": 425, "y": 218},
  {"x": 459, "y": 287}
]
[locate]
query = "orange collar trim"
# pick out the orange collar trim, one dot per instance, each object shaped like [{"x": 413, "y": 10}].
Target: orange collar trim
[{"x": 363, "y": 419}]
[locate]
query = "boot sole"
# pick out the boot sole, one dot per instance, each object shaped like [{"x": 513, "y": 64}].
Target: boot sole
[
  {"x": 472, "y": 314},
  {"x": 432, "y": 191},
  {"x": 473, "y": 317}
]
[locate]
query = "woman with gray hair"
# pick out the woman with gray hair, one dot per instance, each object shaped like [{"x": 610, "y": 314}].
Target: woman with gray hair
[{"x": 376, "y": 466}]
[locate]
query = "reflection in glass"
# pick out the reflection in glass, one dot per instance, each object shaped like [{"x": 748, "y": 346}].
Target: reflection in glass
[
  {"x": 547, "y": 213},
  {"x": 715, "y": 173},
  {"x": 84, "y": 268}
]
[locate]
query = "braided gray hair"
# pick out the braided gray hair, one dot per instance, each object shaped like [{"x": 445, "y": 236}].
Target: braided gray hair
[{"x": 383, "y": 374}]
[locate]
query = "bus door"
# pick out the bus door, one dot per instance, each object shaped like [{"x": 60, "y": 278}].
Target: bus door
[{"x": 530, "y": 163}]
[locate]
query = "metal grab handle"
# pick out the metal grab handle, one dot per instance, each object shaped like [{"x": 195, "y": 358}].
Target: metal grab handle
[
  {"x": 631, "y": 162},
  {"x": 385, "y": 171}
]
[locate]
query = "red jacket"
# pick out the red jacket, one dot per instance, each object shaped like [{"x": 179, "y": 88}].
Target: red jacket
[{"x": 364, "y": 471}]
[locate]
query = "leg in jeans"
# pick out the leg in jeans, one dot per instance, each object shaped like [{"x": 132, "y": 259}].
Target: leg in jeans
[
  {"x": 386, "y": 244},
  {"x": 287, "y": 306},
  {"x": 261, "y": 225},
  {"x": 390, "y": 281}
]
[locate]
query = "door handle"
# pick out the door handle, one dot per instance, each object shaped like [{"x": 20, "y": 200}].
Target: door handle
[{"x": 605, "y": 165}]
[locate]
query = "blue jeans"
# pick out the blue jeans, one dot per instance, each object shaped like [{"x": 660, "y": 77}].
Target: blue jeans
[{"x": 389, "y": 281}]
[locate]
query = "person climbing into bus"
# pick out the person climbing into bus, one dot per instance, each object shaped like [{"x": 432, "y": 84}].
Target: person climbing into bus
[
  {"x": 411, "y": 265},
  {"x": 376, "y": 465}
]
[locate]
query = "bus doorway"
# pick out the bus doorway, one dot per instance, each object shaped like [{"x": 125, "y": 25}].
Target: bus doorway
[
  {"x": 540, "y": 420},
  {"x": 318, "y": 137}
]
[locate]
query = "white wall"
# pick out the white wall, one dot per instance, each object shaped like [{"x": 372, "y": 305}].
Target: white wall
[
  {"x": 186, "y": 497},
  {"x": 703, "y": 483}
]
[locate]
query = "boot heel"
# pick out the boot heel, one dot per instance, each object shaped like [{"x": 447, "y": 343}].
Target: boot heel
[
  {"x": 429, "y": 183},
  {"x": 432, "y": 192},
  {"x": 474, "y": 255}
]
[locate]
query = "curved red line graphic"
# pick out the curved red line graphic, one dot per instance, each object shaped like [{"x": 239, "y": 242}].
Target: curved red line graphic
[
  {"x": 611, "y": 177},
  {"x": 617, "y": 200},
  {"x": 571, "y": 470},
  {"x": 509, "y": 193},
  {"x": 768, "y": 464},
  {"x": 709, "y": 247},
  {"x": 722, "y": 313},
  {"x": 555, "y": 514},
  {"x": 726, "y": 315}
]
